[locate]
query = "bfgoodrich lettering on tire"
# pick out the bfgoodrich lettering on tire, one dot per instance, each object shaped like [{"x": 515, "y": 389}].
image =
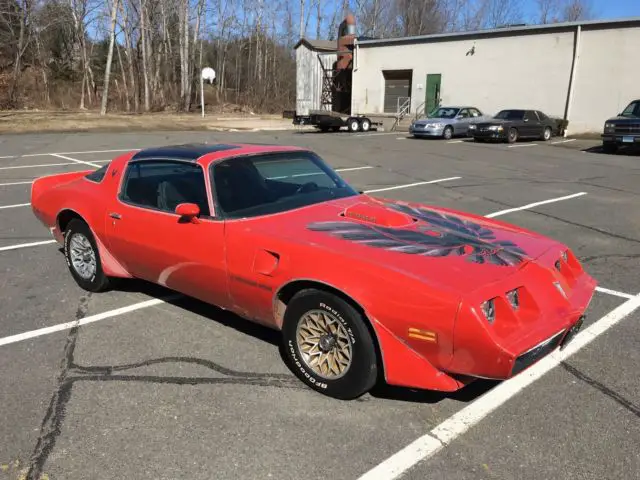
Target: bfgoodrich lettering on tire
[
  {"x": 328, "y": 346},
  {"x": 83, "y": 259}
]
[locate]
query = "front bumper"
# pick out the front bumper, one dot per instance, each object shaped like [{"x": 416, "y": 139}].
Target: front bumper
[
  {"x": 621, "y": 139},
  {"x": 488, "y": 134},
  {"x": 426, "y": 132},
  {"x": 551, "y": 310}
]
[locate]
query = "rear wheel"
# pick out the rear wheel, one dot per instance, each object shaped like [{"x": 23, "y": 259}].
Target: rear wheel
[
  {"x": 328, "y": 346},
  {"x": 353, "y": 124},
  {"x": 365, "y": 125},
  {"x": 83, "y": 258}
]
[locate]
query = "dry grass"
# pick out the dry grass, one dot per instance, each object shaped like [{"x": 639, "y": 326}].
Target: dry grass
[{"x": 55, "y": 121}]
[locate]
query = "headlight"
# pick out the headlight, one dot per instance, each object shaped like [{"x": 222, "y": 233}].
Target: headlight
[
  {"x": 609, "y": 126},
  {"x": 472, "y": 127},
  {"x": 514, "y": 298},
  {"x": 434, "y": 125},
  {"x": 489, "y": 310},
  {"x": 496, "y": 128}
]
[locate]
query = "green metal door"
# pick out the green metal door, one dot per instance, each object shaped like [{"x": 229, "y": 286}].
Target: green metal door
[{"x": 432, "y": 93}]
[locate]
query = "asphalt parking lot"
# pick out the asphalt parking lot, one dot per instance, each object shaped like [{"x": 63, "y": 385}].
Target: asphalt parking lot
[{"x": 106, "y": 386}]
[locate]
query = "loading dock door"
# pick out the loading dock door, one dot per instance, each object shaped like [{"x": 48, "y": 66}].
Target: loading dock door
[
  {"x": 432, "y": 92},
  {"x": 397, "y": 84}
]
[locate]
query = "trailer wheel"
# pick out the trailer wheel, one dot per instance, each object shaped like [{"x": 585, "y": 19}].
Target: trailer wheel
[
  {"x": 354, "y": 124},
  {"x": 365, "y": 125}
]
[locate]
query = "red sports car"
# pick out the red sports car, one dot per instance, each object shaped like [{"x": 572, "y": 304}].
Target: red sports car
[{"x": 361, "y": 288}]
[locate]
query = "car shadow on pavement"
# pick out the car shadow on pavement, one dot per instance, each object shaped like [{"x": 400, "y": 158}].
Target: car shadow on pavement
[
  {"x": 625, "y": 151},
  {"x": 382, "y": 390}
]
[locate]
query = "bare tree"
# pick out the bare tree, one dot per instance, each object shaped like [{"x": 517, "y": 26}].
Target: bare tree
[{"x": 107, "y": 68}]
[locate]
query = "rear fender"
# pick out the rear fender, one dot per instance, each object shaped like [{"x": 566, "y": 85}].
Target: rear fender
[{"x": 110, "y": 265}]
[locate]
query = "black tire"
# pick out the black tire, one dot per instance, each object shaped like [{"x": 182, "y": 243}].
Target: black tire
[
  {"x": 98, "y": 281},
  {"x": 512, "y": 135},
  {"x": 353, "y": 124},
  {"x": 447, "y": 133},
  {"x": 365, "y": 125},
  {"x": 335, "y": 128},
  {"x": 547, "y": 134},
  {"x": 479, "y": 140},
  {"x": 609, "y": 147},
  {"x": 362, "y": 372}
]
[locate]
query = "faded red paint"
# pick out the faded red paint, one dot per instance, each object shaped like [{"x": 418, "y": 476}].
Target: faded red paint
[{"x": 242, "y": 264}]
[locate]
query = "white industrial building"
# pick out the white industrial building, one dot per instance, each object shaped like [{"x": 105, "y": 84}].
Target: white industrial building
[{"x": 584, "y": 72}]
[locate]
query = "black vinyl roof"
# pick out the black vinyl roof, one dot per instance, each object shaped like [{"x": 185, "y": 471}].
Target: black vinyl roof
[{"x": 190, "y": 151}]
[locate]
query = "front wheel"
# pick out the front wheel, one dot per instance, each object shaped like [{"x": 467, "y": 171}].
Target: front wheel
[
  {"x": 512, "y": 135},
  {"x": 354, "y": 125},
  {"x": 83, "y": 258},
  {"x": 328, "y": 346},
  {"x": 447, "y": 134}
]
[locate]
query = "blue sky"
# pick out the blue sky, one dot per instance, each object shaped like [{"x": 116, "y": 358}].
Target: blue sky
[{"x": 602, "y": 9}]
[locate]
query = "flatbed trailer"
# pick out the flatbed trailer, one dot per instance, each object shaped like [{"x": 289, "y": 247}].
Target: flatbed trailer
[{"x": 326, "y": 120}]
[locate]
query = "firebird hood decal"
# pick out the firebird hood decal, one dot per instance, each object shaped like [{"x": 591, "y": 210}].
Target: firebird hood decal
[{"x": 445, "y": 235}]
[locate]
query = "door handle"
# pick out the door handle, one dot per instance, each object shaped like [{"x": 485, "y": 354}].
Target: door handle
[{"x": 115, "y": 215}]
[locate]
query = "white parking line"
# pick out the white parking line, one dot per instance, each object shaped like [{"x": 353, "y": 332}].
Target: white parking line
[
  {"x": 373, "y": 134},
  {"x": 25, "y": 245},
  {"x": 2, "y": 207},
  {"x": 614, "y": 293},
  {"x": 15, "y": 167},
  {"x": 15, "y": 183},
  {"x": 75, "y": 160},
  {"x": 456, "y": 141},
  {"x": 524, "y": 145},
  {"x": 456, "y": 425},
  {"x": 563, "y": 141},
  {"x": 412, "y": 185},
  {"x": 91, "y": 319},
  {"x": 77, "y": 153},
  {"x": 531, "y": 205},
  {"x": 350, "y": 169},
  {"x": 9, "y": 156}
]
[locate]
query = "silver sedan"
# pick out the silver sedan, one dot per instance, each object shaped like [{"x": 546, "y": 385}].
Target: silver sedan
[{"x": 446, "y": 122}]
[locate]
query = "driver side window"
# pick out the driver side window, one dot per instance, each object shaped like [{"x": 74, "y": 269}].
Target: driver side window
[{"x": 163, "y": 185}]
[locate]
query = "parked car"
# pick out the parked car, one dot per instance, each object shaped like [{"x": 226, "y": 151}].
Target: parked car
[
  {"x": 447, "y": 122},
  {"x": 512, "y": 125},
  {"x": 623, "y": 130},
  {"x": 360, "y": 288}
]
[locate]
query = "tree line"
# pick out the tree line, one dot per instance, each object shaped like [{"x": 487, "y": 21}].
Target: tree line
[{"x": 146, "y": 55}]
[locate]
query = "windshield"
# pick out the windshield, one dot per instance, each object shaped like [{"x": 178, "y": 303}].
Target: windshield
[
  {"x": 444, "y": 113},
  {"x": 510, "y": 114},
  {"x": 632, "y": 110},
  {"x": 276, "y": 182}
]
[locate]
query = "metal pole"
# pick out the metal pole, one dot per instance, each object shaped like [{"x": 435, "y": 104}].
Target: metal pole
[{"x": 202, "y": 93}]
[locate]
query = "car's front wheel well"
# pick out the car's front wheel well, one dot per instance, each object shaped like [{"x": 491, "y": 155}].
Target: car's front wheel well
[
  {"x": 286, "y": 293},
  {"x": 64, "y": 217}
]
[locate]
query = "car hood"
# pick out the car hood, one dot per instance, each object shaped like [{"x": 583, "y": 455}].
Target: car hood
[
  {"x": 623, "y": 120},
  {"x": 440, "y": 246}
]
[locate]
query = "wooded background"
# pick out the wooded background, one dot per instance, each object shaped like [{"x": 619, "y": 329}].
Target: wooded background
[{"x": 58, "y": 54}]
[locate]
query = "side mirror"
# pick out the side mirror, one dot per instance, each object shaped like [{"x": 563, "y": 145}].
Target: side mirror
[{"x": 188, "y": 212}]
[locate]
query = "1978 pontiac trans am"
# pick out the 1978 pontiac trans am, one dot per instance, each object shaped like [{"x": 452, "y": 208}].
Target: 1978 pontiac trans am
[{"x": 362, "y": 289}]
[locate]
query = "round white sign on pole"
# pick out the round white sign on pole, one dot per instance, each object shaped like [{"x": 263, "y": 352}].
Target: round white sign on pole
[{"x": 208, "y": 74}]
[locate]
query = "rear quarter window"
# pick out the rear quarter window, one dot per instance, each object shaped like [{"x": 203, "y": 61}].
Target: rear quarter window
[{"x": 98, "y": 175}]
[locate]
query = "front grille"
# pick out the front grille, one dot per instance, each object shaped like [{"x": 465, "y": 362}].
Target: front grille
[
  {"x": 536, "y": 353},
  {"x": 624, "y": 129}
]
